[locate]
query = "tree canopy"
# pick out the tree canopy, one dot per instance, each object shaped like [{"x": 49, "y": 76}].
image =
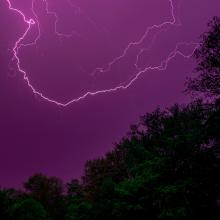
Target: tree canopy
[{"x": 208, "y": 62}]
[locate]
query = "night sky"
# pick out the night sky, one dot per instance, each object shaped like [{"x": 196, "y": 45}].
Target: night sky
[{"x": 91, "y": 71}]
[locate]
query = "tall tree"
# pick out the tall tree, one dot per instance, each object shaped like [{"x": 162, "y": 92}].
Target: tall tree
[
  {"x": 48, "y": 191},
  {"x": 208, "y": 62}
]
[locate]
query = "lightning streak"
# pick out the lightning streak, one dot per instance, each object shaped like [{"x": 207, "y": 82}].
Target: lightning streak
[{"x": 122, "y": 86}]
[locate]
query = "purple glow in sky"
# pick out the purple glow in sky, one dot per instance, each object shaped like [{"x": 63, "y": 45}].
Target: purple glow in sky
[{"x": 75, "y": 74}]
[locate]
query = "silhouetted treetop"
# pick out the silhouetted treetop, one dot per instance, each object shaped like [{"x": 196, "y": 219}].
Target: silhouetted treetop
[{"x": 208, "y": 62}]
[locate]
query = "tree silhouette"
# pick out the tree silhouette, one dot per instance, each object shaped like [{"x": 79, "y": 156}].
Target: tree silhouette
[
  {"x": 27, "y": 209},
  {"x": 208, "y": 60},
  {"x": 48, "y": 191}
]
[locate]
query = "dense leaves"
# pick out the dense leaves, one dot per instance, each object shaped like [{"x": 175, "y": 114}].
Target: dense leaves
[
  {"x": 49, "y": 192},
  {"x": 27, "y": 209},
  {"x": 208, "y": 59}
]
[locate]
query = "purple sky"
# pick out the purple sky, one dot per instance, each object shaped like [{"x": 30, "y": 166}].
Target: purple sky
[{"x": 78, "y": 38}]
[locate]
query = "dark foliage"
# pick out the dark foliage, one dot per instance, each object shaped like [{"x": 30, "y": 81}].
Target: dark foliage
[
  {"x": 208, "y": 60},
  {"x": 167, "y": 168},
  {"x": 49, "y": 192}
]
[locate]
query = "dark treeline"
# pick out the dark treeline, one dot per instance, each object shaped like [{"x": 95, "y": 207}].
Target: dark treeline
[{"x": 168, "y": 166}]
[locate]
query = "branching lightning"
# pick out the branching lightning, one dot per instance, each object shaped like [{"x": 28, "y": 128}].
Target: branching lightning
[{"x": 122, "y": 86}]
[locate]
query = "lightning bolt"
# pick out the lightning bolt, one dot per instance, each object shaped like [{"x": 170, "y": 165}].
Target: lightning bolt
[{"x": 122, "y": 86}]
